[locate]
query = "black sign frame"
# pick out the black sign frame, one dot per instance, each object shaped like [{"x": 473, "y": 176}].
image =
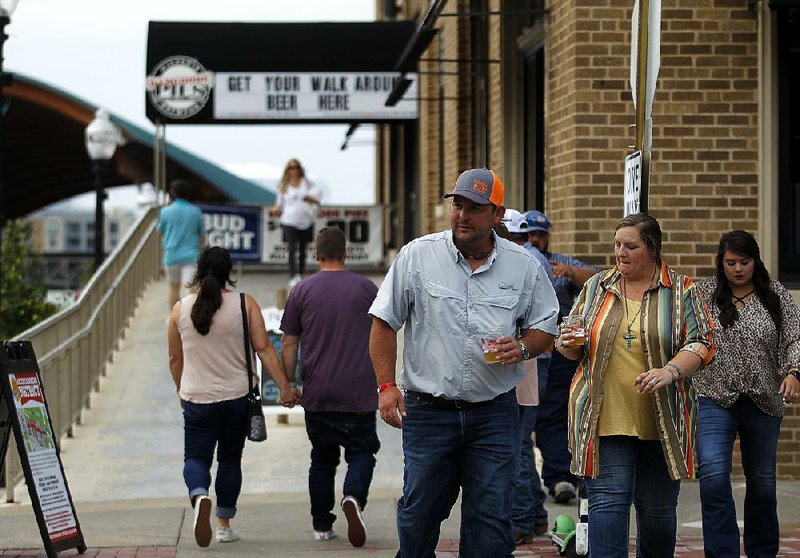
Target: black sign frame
[
  {"x": 18, "y": 357},
  {"x": 274, "y": 47}
]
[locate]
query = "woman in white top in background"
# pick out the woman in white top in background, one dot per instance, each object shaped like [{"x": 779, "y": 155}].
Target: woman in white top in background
[
  {"x": 208, "y": 366},
  {"x": 297, "y": 203}
]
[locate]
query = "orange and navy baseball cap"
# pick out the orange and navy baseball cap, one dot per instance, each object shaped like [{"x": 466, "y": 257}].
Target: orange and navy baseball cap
[{"x": 481, "y": 186}]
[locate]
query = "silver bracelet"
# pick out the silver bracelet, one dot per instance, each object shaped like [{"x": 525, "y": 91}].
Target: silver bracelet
[{"x": 675, "y": 370}]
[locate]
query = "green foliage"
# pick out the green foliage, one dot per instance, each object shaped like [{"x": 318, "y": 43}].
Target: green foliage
[{"x": 23, "y": 303}]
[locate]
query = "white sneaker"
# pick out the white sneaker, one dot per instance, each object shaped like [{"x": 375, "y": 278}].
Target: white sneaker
[
  {"x": 356, "y": 530},
  {"x": 563, "y": 492},
  {"x": 324, "y": 535},
  {"x": 202, "y": 521},
  {"x": 226, "y": 534}
]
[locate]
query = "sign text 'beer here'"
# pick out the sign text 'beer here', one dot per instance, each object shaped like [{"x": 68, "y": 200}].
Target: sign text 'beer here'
[{"x": 310, "y": 95}]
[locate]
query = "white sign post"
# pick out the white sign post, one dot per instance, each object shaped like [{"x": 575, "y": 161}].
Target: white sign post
[
  {"x": 645, "y": 62},
  {"x": 633, "y": 183}
]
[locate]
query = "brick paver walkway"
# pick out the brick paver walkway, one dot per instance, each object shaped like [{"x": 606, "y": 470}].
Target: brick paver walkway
[
  {"x": 126, "y": 552},
  {"x": 686, "y": 547}
]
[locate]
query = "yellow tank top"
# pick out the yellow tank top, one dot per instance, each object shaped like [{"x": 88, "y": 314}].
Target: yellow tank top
[{"x": 625, "y": 411}]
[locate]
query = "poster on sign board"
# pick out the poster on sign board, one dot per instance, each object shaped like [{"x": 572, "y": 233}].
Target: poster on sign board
[
  {"x": 237, "y": 228},
  {"x": 26, "y": 406}
]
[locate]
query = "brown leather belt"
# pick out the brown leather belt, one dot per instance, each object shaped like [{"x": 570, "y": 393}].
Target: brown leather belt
[{"x": 444, "y": 403}]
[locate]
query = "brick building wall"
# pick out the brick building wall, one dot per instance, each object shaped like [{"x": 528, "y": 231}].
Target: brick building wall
[
  {"x": 495, "y": 93},
  {"x": 705, "y": 129},
  {"x": 704, "y": 174}
]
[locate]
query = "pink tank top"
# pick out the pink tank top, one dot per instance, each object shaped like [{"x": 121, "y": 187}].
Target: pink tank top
[{"x": 214, "y": 365}]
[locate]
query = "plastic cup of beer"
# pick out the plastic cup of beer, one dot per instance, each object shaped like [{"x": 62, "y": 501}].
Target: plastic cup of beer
[
  {"x": 488, "y": 344},
  {"x": 574, "y": 324}
]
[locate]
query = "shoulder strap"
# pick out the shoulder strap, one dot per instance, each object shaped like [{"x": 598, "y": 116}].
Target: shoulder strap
[{"x": 247, "y": 347}]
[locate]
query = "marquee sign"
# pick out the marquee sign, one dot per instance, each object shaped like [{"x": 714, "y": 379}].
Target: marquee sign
[
  {"x": 251, "y": 73},
  {"x": 310, "y": 96}
]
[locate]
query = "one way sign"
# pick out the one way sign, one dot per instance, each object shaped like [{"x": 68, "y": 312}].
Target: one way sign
[{"x": 633, "y": 183}]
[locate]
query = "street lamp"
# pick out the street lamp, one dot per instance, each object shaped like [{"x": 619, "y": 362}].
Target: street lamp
[
  {"x": 7, "y": 8},
  {"x": 102, "y": 139}
]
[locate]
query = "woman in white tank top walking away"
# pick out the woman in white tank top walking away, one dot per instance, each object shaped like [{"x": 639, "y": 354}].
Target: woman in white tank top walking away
[{"x": 208, "y": 364}]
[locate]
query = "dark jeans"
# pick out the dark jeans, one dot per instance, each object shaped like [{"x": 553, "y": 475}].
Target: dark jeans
[
  {"x": 328, "y": 431},
  {"x": 296, "y": 241},
  {"x": 632, "y": 471},
  {"x": 206, "y": 426},
  {"x": 758, "y": 437},
  {"x": 527, "y": 504},
  {"x": 551, "y": 423},
  {"x": 472, "y": 449}
]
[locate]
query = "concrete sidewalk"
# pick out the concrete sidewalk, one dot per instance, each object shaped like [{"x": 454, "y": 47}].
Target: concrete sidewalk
[{"x": 125, "y": 460}]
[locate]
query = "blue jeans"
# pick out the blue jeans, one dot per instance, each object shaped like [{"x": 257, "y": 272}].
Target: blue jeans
[
  {"x": 758, "y": 437},
  {"x": 527, "y": 504},
  {"x": 327, "y": 432},
  {"x": 551, "y": 423},
  {"x": 632, "y": 471},
  {"x": 206, "y": 426},
  {"x": 472, "y": 449}
]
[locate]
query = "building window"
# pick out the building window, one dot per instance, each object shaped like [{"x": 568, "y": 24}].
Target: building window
[
  {"x": 53, "y": 233},
  {"x": 533, "y": 136},
  {"x": 788, "y": 21},
  {"x": 479, "y": 56}
]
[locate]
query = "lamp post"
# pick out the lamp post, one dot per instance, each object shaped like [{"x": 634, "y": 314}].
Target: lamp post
[
  {"x": 7, "y": 8},
  {"x": 102, "y": 139}
]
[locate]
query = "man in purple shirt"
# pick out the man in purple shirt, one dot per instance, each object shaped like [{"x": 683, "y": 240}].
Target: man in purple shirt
[{"x": 327, "y": 314}]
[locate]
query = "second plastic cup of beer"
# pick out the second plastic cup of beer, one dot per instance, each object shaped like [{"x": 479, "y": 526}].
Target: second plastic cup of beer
[{"x": 574, "y": 324}]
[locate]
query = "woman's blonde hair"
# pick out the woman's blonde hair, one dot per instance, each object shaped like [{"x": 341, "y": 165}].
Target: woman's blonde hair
[{"x": 284, "y": 183}]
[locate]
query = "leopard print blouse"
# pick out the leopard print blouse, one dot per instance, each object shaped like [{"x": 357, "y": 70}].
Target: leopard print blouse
[{"x": 752, "y": 359}]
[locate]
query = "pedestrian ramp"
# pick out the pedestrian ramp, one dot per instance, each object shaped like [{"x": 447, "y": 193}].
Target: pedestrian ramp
[{"x": 129, "y": 442}]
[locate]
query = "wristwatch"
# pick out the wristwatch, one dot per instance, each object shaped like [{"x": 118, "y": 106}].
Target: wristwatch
[
  {"x": 526, "y": 354},
  {"x": 796, "y": 373}
]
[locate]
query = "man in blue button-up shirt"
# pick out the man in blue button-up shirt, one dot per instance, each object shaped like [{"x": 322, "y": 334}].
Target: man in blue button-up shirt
[{"x": 459, "y": 413}]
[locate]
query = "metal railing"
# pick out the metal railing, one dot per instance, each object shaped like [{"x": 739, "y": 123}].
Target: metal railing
[{"x": 74, "y": 346}]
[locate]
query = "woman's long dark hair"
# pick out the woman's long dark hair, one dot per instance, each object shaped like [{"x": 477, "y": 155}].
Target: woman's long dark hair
[
  {"x": 742, "y": 243},
  {"x": 213, "y": 274}
]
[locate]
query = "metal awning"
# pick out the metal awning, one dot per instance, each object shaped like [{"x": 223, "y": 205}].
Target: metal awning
[{"x": 44, "y": 156}]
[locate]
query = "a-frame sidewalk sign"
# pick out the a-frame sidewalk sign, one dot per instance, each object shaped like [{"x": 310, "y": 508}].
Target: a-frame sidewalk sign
[{"x": 23, "y": 408}]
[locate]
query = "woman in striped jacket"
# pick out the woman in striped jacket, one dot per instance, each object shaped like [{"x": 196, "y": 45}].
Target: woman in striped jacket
[{"x": 632, "y": 408}]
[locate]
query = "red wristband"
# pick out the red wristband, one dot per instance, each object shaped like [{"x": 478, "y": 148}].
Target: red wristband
[{"x": 384, "y": 387}]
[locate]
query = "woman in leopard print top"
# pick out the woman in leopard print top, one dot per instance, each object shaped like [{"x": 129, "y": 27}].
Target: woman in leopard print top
[{"x": 743, "y": 391}]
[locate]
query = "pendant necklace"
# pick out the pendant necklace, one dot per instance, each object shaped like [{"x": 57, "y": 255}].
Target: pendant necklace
[
  {"x": 629, "y": 337},
  {"x": 476, "y": 255}
]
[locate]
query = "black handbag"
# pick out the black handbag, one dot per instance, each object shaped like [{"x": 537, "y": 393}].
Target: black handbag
[{"x": 256, "y": 425}]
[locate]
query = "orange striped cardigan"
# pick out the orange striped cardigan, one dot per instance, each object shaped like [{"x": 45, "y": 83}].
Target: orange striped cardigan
[{"x": 673, "y": 318}]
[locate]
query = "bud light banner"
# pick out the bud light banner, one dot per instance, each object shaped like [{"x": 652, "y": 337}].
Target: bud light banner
[
  {"x": 237, "y": 228},
  {"x": 362, "y": 226}
]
